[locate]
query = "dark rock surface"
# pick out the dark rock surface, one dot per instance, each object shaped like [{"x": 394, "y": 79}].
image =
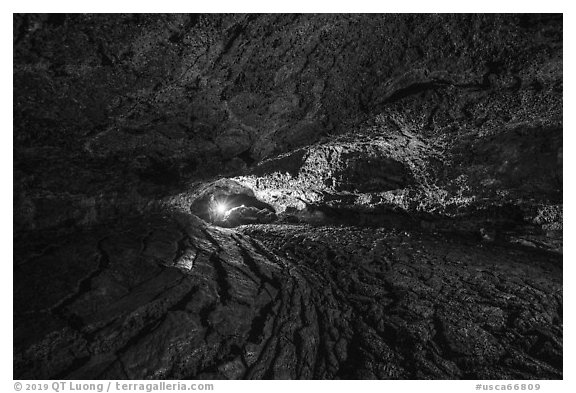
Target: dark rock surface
[
  {"x": 403, "y": 174},
  {"x": 133, "y": 107},
  {"x": 170, "y": 297}
]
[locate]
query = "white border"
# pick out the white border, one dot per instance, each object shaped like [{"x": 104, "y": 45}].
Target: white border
[{"x": 568, "y": 384}]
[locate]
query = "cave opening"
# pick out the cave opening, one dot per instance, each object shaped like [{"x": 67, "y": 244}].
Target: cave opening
[{"x": 230, "y": 210}]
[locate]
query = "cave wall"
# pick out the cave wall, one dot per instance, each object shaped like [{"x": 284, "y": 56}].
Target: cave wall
[{"x": 113, "y": 113}]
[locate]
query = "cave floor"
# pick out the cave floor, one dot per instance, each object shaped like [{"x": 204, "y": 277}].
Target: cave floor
[{"x": 167, "y": 296}]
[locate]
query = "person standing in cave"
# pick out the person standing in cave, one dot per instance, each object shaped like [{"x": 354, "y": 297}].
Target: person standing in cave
[{"x": 212, "y": 209}]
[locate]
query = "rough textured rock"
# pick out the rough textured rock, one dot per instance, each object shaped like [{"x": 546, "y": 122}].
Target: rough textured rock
[
  {"x": 157, "y": 100},
  {"x": 170, "y": 297},
  {"x": 505, "y": 180},
  {"x": 414, "y": 163}
]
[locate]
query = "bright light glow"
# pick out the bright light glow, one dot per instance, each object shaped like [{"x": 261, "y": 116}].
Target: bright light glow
[{"x": 221, "y": 208}]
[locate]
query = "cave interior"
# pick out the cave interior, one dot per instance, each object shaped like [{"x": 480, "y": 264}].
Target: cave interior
[{"x": 287, "y": 196}]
